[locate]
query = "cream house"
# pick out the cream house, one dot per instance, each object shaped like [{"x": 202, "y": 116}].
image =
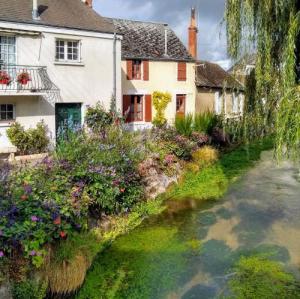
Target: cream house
[
  {"x": 154, "y": 59},
  {"x": 56, "y": 58}
]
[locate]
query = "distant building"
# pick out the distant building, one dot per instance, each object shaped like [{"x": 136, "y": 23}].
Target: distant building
[{"x": 217, "y": 90}]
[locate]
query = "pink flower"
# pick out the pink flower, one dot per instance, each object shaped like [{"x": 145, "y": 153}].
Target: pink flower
[
  {"x": 1, "y": 253},
  {"x": 32, "y": 253},
  {"x": 34, "y": 219}
]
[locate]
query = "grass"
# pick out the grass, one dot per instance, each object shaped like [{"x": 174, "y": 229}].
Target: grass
[{"x": 213, "y": 181}]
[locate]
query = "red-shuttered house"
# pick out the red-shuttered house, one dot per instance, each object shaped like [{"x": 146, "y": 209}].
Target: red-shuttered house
[{"x": 154, "y": 59}]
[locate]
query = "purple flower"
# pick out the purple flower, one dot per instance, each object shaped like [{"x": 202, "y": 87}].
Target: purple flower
[
  {"x": 28, "y": 189},
  {"x": 32, "y": 253},
  {"x": 1, "y": 233},
  {"x": 34, "y": 218},
  {"x": 1, "y": 254}
]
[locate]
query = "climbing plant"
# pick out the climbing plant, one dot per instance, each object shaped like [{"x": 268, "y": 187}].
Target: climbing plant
[
  {"x": 271, "y": 28},
  {"x": 160, "y": 103}
]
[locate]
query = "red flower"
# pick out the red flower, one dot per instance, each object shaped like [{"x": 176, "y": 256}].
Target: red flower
[
  {"x": 24, "y": 197},
  {"x": 63, "y": 234},
  {"x": 122, "y": 190},
  {"x": 57, "y": 221}
]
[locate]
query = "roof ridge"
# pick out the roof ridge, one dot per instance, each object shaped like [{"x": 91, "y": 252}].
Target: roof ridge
[{"x": 139, "y": 21}]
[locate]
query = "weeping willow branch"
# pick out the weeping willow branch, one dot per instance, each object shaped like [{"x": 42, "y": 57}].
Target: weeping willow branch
[{"x": 272, "y": 27}]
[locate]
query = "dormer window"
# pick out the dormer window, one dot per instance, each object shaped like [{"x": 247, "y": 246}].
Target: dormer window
[
  {"x": 67, "y": 50},
  {"x": 137, "y": 69}
]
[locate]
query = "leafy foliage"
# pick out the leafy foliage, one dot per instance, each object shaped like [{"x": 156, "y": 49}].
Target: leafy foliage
[
  {"x": 184, "y": 125},
  {"x": 29, "y": 290},
  {"x": 205, "y": 122},
  {"x": 160, "y": 103},
  {"x": 31, "y": 141},
  {"x": 272, "y": 29}
]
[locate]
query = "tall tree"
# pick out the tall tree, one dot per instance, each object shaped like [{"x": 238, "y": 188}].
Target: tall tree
[{"x": 271, "y": 27}]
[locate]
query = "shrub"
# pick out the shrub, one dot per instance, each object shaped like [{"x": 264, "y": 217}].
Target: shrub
[
  {"x": 31, "y": 141},
  {"x": 160, "y": 103},
  {"x": 184, "y": 125},
  {"x": 205, "y": 156},
  {"x": 259, "y": 278},
  {"x": 205, "y": 122},
  {"x": 97, "y": 118}
]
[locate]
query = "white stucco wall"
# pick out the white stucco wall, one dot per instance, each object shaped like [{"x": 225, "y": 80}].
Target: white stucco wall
[
  {"x": 163, "y": 77},
  {"x": 87, "y": 82}
]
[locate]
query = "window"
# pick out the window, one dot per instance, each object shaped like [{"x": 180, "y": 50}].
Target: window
[
  {"x": 218, "y": 103},
  {"x": 67, "y": 50},
  {"x": 6, "y": 112},
  {"x": 180, "y": 104},
  {"x": 136, "y": 108},
  {"x": 7, "y": 50},
  {"x": 137, "y": 69},
  {"x": 235, "y": 103}
]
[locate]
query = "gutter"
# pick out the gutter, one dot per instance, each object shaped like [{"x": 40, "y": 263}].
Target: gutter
[{"x": 115, "y": 69}]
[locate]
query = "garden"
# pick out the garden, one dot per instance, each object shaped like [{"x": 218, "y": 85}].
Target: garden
[{"x": 58, "y": 214}]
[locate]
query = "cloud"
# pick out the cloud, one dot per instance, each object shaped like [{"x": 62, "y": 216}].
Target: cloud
[{"x": 212, "y": 46}]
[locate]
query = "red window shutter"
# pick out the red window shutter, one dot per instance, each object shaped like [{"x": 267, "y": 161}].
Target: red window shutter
[
  {"x": 148, "y": 108},
  {"x": 129, "y": 69},
  {"x": 126, "y": 107},
  {"x": 146, "y": 70},
  {"x": 181, "y": 71}
]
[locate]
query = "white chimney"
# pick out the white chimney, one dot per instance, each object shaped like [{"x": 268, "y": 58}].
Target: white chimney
[
  {"x": 166, "y": 40},
  {"x": 35, "y": 13}
]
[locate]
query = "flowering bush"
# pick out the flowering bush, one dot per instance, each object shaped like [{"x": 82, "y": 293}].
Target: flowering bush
[{"x": 86, "y": 176}]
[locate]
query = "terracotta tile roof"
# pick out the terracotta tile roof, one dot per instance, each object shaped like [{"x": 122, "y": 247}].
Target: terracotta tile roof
[
  {"x": 146, "y": 40},
  {"x": 211, "y": 75},
  {"x": 72, "y": 14}
]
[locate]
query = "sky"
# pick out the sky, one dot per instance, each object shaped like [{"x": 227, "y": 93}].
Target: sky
[{"x": 211, "y": 36}]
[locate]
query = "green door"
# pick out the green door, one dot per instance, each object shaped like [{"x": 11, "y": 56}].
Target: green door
[{"x": 68, "y": 118}]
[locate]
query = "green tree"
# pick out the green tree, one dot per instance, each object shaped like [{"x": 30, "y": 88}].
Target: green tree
[{"x": 272, "y": 29}]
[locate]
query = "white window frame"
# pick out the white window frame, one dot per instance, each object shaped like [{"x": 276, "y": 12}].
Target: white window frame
[
  {"x": 15, "y": 47},
  {"x": 235, "y": 103},
  {"x": 218, "y": 103},
  {"x": 66, "y": 59}
]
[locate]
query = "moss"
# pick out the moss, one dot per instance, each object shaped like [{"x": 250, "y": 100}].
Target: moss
[
  {"x": 260, "y": 278},
  {"x": 136, "y": 262}
]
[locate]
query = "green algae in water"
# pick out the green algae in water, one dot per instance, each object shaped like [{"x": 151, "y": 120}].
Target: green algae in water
[
  {"x": 144, "y": 264},
  {"x": 207, "y": 219}
]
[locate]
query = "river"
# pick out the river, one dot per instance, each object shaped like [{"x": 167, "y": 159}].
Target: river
[{"x": 189, "y": 250}]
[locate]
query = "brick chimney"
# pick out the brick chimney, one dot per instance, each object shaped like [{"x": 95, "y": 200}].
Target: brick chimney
[
  {"x": 193, "y": 34},
  {"x": 88, "y": 2}
]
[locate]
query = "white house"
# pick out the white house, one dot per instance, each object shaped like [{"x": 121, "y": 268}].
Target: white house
[{"x": 56, "y": 58}]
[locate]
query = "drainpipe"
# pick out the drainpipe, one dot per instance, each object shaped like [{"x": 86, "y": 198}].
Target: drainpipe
[
  {"x": 115, "y": 69},
  {"x": 35, "y": 13}
]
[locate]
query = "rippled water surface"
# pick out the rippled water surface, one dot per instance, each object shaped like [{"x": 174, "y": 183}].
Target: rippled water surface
[{"x": 189, "y": 251}]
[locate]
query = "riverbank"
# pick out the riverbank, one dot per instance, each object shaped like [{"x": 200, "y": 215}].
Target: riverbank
[{"x": 105, "y": 279}]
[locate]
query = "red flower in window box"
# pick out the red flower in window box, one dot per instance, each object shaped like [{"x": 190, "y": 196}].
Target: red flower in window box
[
  {"x": 4, "y": 78},
  {"x": 23, "y": 78}
]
